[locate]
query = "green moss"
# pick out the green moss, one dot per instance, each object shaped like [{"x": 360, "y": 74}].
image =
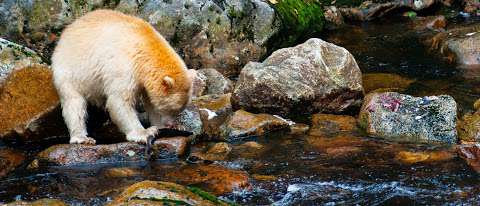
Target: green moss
[
  {"x": 301, "y": 19},
  {"x": 208, "y": 196}
]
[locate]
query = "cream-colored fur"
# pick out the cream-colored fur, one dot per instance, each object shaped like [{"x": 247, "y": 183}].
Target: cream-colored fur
[{"x": 114, "y": 60}]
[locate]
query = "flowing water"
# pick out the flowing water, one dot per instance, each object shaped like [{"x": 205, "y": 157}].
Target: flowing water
[{"x": 341, "y": 168}]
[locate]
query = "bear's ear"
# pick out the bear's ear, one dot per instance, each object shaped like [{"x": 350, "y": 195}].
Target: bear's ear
[{"x": 168, "y": 82}]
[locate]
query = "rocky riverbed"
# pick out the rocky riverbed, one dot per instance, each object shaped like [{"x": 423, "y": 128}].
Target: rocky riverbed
[{"x": 295, "y": 103}]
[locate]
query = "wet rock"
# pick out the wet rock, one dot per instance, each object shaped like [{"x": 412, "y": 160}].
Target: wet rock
[
  {"x": 74, "y": 154},
  {"x": 212, "y": 178},
  {"x": 27, "y": 100},
  {"x": 244, "y": 124},
  {"x": 435, "y": 23},
  {"x": 345, "y": 151},
  {"x": 333, "y": 17},
  {"x": 40, "y": 202},
  {"x": 216, "y": 83},
  {"x": 215, "y": 152},
  {"x": 328, "y": 125},
  {"x": 472, "y": 7},
  {"x": 459, "y": 45},
  {"x": 375, "y": 81},
  {"x": 343, "y": 146},
  {"x": 190, "y": 120},
  {"x": 9, "y": 160},
  {"x": 199, "y": 85},
  {"x": 164, "y": 193},
  {"x": 370, "y": 10},
  {"x": 215, "y": 110},
  {"x": 405, "y": 118},
  {"x": 14, "y": 57},
  {"x": 468, "y": 127},
  {"x": 471, "y": 154},
  {"x": 476, "y": 105},
  {"x": 311, "y": 77},
  {"x": 408, "y": 157},
  {"x": 122, "y": 172},
  {"x": 299, "y": 128},
  {"x": 248, "y": 150}
]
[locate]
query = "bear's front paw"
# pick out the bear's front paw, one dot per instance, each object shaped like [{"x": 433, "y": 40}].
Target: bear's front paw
[
  {"x": 82, "y": 140},
  {"x": 141, "y": 136}
]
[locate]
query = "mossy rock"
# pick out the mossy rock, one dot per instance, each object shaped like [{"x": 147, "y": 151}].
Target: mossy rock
[
  {"x": 165, "y": 193},
  {"x": 300, "y": 19},
  {"x": 40, "y": 202}
]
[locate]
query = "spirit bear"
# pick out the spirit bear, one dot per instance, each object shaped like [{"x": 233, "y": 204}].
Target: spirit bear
[{"x": 110, "y": 59}]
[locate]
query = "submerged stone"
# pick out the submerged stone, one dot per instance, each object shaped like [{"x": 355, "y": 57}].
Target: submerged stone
[
  {"x": 74, "y": 154},
  {"x": 375, "y": 81},
  {"x": 459, "y": 45},
  {"x": 218, "y": 151},
  {"x": 408, "y": 157},
  {"x": 328, "y": 125},
  {"x": 9, "y": 160},
  {"x": 315, "y": 76},
  {"x": 213, "y": 178},
  {"x": 402, "y": 117},
  {"x": 164, "y": 193},
  {"x": 370, "y": 10}
]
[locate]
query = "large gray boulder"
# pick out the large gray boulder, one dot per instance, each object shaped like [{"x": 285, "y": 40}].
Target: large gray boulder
[
  {"x": 315, "y": 76},
  {"x": 402, "y": 117}
]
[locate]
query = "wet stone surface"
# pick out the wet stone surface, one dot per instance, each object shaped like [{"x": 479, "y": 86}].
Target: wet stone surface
[
  {"x": 75, "y": 154},
  {"x": 406, "y": 118}
]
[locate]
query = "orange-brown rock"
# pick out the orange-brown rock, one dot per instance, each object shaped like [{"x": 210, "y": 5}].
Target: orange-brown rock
[
  {"x": 408, "y": 157},
  {"x": 150, "y": 193},
  {"x": 243, "y": 124},
  {"x": 212, "y": 178},
  {"x": 218, "y": 151},
  {"x": 9, "y": 160},
  {"x": 27, "y": 97}
]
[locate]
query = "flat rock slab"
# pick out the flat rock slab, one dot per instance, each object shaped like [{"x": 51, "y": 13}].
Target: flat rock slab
[
  {"x": 75, "y": 154},
  {"x": 402, "y": 117},
  {"x": 164, "y": 193},
  {"x": 244, "y": 124}
]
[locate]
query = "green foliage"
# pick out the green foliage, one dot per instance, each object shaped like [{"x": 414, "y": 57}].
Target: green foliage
[{"x": 208, "y": 196}]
